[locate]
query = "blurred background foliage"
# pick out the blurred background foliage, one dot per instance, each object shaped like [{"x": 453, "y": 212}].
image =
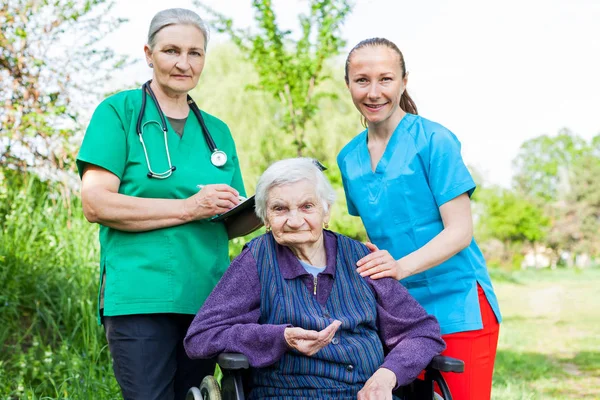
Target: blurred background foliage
[{"x": 51, "y": 344}]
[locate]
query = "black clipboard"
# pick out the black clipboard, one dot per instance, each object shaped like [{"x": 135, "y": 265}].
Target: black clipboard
[{"x": 240, "y": 220}]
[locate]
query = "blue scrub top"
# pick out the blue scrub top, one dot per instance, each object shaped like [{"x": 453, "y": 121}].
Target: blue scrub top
[{"x": 420, "y": 169}]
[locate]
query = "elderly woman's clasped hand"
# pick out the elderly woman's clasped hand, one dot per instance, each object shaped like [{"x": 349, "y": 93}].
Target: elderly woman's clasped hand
[{"x": 309, "y": 342}]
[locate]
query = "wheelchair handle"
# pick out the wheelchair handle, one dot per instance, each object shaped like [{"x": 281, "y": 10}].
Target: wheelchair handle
[
  {"x": 447, "y": 364},
  {"x": 233, "y": 361}
]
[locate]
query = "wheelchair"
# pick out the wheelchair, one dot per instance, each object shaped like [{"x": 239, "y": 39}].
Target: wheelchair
[{"x": 235, "y": 373}]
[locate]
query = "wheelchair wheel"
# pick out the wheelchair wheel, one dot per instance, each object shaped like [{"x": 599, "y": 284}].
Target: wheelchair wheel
[
  {"x": 193, "y": 394},
  {"x": 209, "y": 388}
]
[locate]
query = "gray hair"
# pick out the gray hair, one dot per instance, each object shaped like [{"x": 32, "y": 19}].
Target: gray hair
[
  {"x": 175, "y": 16},
  {"x": 288, "y": 171}
]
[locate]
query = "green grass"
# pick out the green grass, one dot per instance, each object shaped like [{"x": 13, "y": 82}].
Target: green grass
[
  {"x": 550, "y": 338},
  {"x": 50, "y": 344}
]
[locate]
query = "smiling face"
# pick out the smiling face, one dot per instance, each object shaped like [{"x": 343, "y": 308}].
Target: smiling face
[
  {"x": 376, "y": 84},
  {"x": 295, "y": 214},
  {"x": 177, "y": 57}
]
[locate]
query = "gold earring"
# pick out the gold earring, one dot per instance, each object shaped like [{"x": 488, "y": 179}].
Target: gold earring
[
  {"x": 326, "y": 225},
  {"x": 267, "y": 229}
]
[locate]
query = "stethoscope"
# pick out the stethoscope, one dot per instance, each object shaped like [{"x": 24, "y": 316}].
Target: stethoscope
[{"x": 217, "y": 157}]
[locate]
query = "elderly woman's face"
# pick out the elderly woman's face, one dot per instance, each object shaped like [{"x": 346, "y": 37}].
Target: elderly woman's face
[
  {"x": 178, "y": 57},
  {"x": 295, "y": 214}
]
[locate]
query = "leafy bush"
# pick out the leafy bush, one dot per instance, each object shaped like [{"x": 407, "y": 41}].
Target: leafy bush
[{"x": 51, "y": 343}]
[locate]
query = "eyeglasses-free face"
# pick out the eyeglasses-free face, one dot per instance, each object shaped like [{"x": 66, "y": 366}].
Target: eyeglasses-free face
[
  {"x": 295, "y": 214},
  {"x": 177, "y": 58},
  {"x": 375, "y": 83}
]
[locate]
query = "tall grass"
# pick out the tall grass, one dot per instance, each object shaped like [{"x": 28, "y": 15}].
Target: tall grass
[{"x": 51, "y": 344}]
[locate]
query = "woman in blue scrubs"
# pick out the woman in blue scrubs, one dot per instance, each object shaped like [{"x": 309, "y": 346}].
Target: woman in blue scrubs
[{"x": 405, "y": 177}]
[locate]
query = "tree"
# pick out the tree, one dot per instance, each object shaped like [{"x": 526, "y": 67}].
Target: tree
[
  {"x": 560, "y": 174},
  {"x": 49, "y": 56},
  {"x": 543, "y": 164},
  {"x": 511, "y": 219},
  {"x": 577, "y": 219},
  {"x": 596, "y": 146},
  {"x": 290, "y": 70}
]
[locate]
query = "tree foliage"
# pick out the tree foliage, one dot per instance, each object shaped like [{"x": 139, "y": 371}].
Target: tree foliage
[
  {"x": 290, "y": 70},
  {"x": 559, "y": 174},
  {"x": 543, "y": 164},
  {"x": 49, "y": 59},
  {"x": 513, "y": 222},
  {"x": 509, "y": 217},
  {"x": 577, "y": 218}
]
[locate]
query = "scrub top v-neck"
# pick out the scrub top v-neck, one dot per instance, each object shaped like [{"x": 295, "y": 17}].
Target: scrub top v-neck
[
  {"x": 178, "y": 124},
  {"x": 170, "y": 270},
  {"x": 420, "y": 170}
]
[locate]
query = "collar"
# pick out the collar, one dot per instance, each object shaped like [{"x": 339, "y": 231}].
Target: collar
[{"x": 290, "y": 267}]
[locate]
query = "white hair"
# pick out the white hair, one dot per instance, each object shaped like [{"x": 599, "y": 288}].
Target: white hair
[
  {"x": 175, "y": 16},
  {"x": 288, "y": 171}
]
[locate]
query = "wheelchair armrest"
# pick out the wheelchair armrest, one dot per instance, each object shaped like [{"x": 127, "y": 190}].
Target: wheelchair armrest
[
  {"x": 446, "y": 364},
  {"x": 233, "y": 361}
]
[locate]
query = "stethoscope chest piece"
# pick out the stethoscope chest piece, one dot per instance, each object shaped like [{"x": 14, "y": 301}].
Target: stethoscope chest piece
[{"x": 218, "y": 158}]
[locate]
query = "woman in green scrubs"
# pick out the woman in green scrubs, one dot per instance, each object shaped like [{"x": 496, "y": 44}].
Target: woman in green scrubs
[{"x": 160, "y": 254}]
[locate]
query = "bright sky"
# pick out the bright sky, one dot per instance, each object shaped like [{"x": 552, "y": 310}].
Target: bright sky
[{"x": 495, "y": 73}]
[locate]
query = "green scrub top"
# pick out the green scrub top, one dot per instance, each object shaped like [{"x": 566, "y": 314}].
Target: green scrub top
[{"x": 169, "y": 270}]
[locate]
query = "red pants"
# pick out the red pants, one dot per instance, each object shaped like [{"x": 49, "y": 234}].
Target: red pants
[{"x": 478, "y": 351}]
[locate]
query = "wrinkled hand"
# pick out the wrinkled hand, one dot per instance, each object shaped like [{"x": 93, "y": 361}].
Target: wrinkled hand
[
  {"x": 310, "y": 342},
  {"x": 379, "y": 386},
  {"x": 378, "y": 264},
  {"x": 211, "y": 200}
]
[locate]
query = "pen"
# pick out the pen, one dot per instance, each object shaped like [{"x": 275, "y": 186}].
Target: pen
[{"x": 241, "y": 198}]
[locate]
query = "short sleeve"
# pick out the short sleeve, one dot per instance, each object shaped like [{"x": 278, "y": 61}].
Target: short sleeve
[
  {"x": 448, "y": 175},
  {"x": 104, "y": 143},
  {"x": 351, "y": 207}
]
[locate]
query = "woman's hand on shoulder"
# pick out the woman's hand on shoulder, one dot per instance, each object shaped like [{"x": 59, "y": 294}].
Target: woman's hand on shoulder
[
  {"x": 378, "y": 264},
  {"x": 309, "y": 342},
  {"x": 211, "y": 200},
  {"x": 379, "y": 386}
]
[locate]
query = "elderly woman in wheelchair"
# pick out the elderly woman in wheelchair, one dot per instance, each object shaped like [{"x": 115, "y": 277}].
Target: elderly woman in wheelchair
[{"x": 292, "y": 302}]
